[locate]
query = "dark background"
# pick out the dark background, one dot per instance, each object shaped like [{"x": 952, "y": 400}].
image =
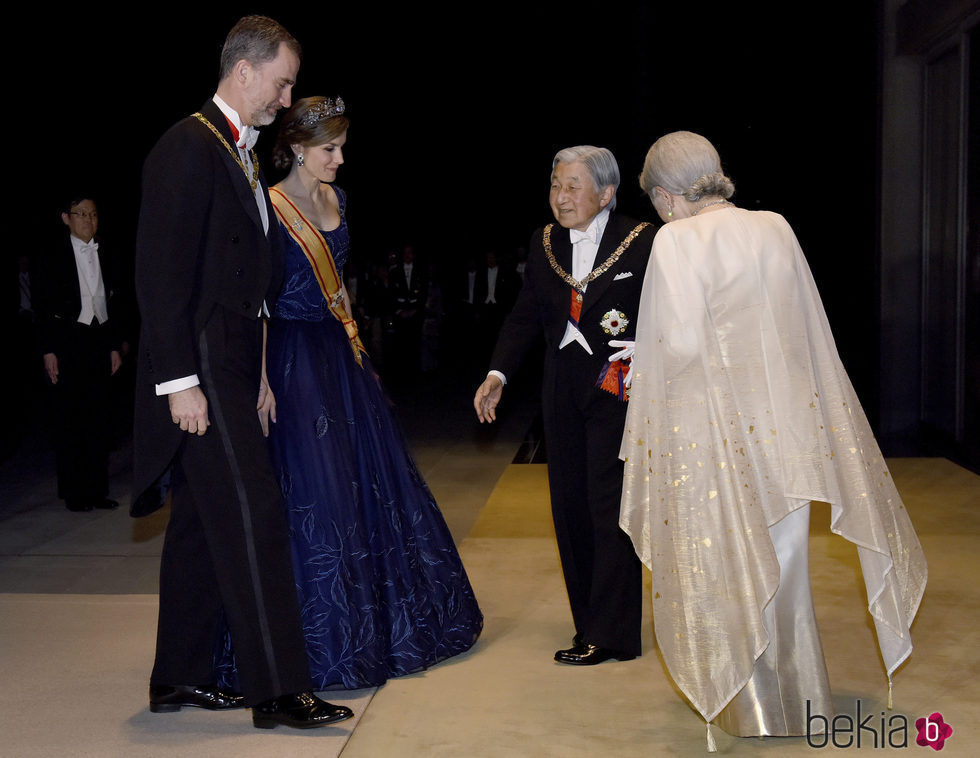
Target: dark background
[{"x": 456, "y": 116}]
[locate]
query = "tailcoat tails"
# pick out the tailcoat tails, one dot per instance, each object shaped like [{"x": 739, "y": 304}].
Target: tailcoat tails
[{"x": 205, "y": 267}]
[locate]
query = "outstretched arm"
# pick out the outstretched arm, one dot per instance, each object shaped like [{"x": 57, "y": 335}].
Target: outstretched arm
[{"x": 486, "y": 399}]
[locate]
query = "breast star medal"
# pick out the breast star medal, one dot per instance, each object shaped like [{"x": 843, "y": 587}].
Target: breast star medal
[{"x": 614, "y": 322}]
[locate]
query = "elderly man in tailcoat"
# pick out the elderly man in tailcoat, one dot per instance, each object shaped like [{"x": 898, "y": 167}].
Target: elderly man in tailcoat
[{"x": 582, "y": 289}]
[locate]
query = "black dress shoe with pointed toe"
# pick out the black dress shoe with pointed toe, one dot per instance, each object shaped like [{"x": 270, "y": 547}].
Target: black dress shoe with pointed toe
[
  {"x": 584, "y": 654},
  {"x": 166, "y": 698},
  {"x": 302, "y": 711}
]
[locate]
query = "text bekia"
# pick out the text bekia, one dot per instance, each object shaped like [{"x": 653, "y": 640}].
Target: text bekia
[{"x": 844, "y": 730}]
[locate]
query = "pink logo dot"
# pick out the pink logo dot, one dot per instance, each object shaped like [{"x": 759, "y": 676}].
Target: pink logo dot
[{"x": 933, "y": 731}]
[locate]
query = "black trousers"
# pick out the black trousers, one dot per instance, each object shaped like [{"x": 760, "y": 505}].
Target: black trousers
[
  {"x": 583, "y": 429},
  {"x": 226, "y": 548},
  {"x": 81, "y": 404}
]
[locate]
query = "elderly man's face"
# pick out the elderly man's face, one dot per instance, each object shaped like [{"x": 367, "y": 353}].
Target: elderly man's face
[
  {"x": 574, "y": 198},
  {"x": 269, "y": 87}
]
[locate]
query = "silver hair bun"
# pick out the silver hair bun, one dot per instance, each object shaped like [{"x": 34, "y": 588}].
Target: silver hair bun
[{"x": 709, "y": 185}]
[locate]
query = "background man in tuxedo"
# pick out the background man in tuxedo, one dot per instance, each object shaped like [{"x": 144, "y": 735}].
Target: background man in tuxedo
[
  {"x": 208, "y": 264},
  {"x": 582, "y": 288},
  {"x": 494, "y": 290},
  {"x": 73, "y": 298},
  {"x": 408, "y": 285}
]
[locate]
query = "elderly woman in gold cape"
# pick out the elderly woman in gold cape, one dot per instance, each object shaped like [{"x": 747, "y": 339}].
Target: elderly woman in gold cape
[{"x": 740, "y": 414}]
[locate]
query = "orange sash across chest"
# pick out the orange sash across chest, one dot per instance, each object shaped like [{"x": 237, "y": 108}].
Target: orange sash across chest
[{"x": 317, "y": 252}]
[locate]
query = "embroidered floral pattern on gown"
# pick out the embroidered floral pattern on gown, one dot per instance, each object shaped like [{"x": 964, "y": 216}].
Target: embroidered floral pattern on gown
[{"x": 382, "y": 589}]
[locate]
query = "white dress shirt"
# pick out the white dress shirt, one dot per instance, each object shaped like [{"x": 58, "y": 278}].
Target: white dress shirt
[
  {"x": 585, "y": 246},
  {"x": 470, "y": 286},
  {"x": 90, "y": 284},
  {"x": 491, "y": 286},
  {"x": 246, "y": 139}
]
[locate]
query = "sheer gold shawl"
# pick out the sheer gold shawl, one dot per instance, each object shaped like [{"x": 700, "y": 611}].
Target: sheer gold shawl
[{"x": 740, "y": 411}]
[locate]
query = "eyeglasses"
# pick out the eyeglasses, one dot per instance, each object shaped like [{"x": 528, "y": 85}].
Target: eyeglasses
[{"x": 93, "y": 215}]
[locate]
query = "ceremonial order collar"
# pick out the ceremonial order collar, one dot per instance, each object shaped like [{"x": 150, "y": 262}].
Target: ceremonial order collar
[{"x": 598, "y": 271}]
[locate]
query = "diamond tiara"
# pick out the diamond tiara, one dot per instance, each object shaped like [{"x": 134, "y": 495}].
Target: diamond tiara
[{"x": 323, "y": 110}]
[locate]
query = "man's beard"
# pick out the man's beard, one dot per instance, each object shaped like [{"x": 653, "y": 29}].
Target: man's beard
[{"x": 262, "y": 117}]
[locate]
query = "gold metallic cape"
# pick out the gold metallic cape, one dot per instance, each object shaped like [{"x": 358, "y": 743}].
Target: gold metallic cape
[
  {"x": 740, "y": 412},
  {"x": 317, "y": 252}
]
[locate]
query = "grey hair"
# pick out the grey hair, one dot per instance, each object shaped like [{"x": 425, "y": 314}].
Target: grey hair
[
  {"x": 600, "y": 162},
  {"x": 255, "y": 39},
  {"x": 685, "y": 163}
]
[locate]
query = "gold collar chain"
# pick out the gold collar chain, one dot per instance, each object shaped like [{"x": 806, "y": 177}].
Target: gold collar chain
[
  {"x": 254, "y": 181},
  {"x": 579, "y": 286}
]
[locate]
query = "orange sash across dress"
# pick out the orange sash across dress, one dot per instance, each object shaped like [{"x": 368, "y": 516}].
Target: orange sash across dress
[{"x": 317, "y": 252}]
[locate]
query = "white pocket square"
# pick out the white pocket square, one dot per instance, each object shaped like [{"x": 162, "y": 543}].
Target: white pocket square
[{"x": 623, "y": 275}]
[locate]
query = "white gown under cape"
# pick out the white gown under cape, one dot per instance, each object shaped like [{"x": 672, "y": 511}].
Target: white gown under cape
[{"x": 740, "y": 412}]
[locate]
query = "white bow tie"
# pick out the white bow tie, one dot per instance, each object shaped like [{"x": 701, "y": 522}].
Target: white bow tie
[
  {"x": 247, "y": 137},
  {"x": 89, "y": 248},
  {"x": 577, "y": 236}
]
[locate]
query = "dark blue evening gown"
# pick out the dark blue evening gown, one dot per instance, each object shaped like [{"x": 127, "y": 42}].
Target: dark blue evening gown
[{"x": 381, "y": 586}]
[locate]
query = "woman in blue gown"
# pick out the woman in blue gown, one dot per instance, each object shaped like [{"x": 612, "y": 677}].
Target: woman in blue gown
[{"x": 382, "y": 589}]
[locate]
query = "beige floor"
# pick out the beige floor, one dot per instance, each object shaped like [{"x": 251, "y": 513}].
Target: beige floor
[
  {"x": 77, "y": 624},
  {"x": 508, "y": 699}
]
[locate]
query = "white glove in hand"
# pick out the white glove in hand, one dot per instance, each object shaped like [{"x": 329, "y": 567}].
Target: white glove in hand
[{"x": 624, "y": 354}]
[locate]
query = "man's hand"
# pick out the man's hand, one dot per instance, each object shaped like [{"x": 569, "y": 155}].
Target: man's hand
[
  {"x": 625, "y": 354},
  {"x": 189, "y": 410},
  {"x": 486, "y": 399},
  {"x": 266, "y": 406},
  {"x": 115, "y": 361},
  {"x": 51, "y": 367}
]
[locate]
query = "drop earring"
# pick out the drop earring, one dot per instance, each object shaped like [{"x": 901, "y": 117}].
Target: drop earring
[{"x": 299, "y": 160}]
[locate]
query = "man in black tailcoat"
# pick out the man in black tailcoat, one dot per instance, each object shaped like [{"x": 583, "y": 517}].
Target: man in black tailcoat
[
  {"x": 581, "y": 290},
  {"x": 494, "y": 291},
  {"x": 74, "y": 295},
  {"x": 408, "y": 286},
  {"x": 208, "y": 266}
]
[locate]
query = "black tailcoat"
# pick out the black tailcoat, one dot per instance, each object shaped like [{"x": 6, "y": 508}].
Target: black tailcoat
[
  {"x": 82, "y": 404},
  {"x": 583, "y": 424},
  {"x": 204, "y": 266},
  {"x": 407, "y": 306}
]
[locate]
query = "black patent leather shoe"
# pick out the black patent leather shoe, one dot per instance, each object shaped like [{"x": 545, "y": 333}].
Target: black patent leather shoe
[
  {"x": 584, "y": 654},
  {"x": 302, "y": 711},
  {"x": 78, "y": 506},
  {"x": 165, "y": 698},
  {"x": 105, "y": 504}
]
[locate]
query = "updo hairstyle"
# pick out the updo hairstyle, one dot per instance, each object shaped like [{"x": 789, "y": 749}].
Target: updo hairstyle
[
  {"x": 685, "y": 163},
  {"x": 296, "y": 129}
]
